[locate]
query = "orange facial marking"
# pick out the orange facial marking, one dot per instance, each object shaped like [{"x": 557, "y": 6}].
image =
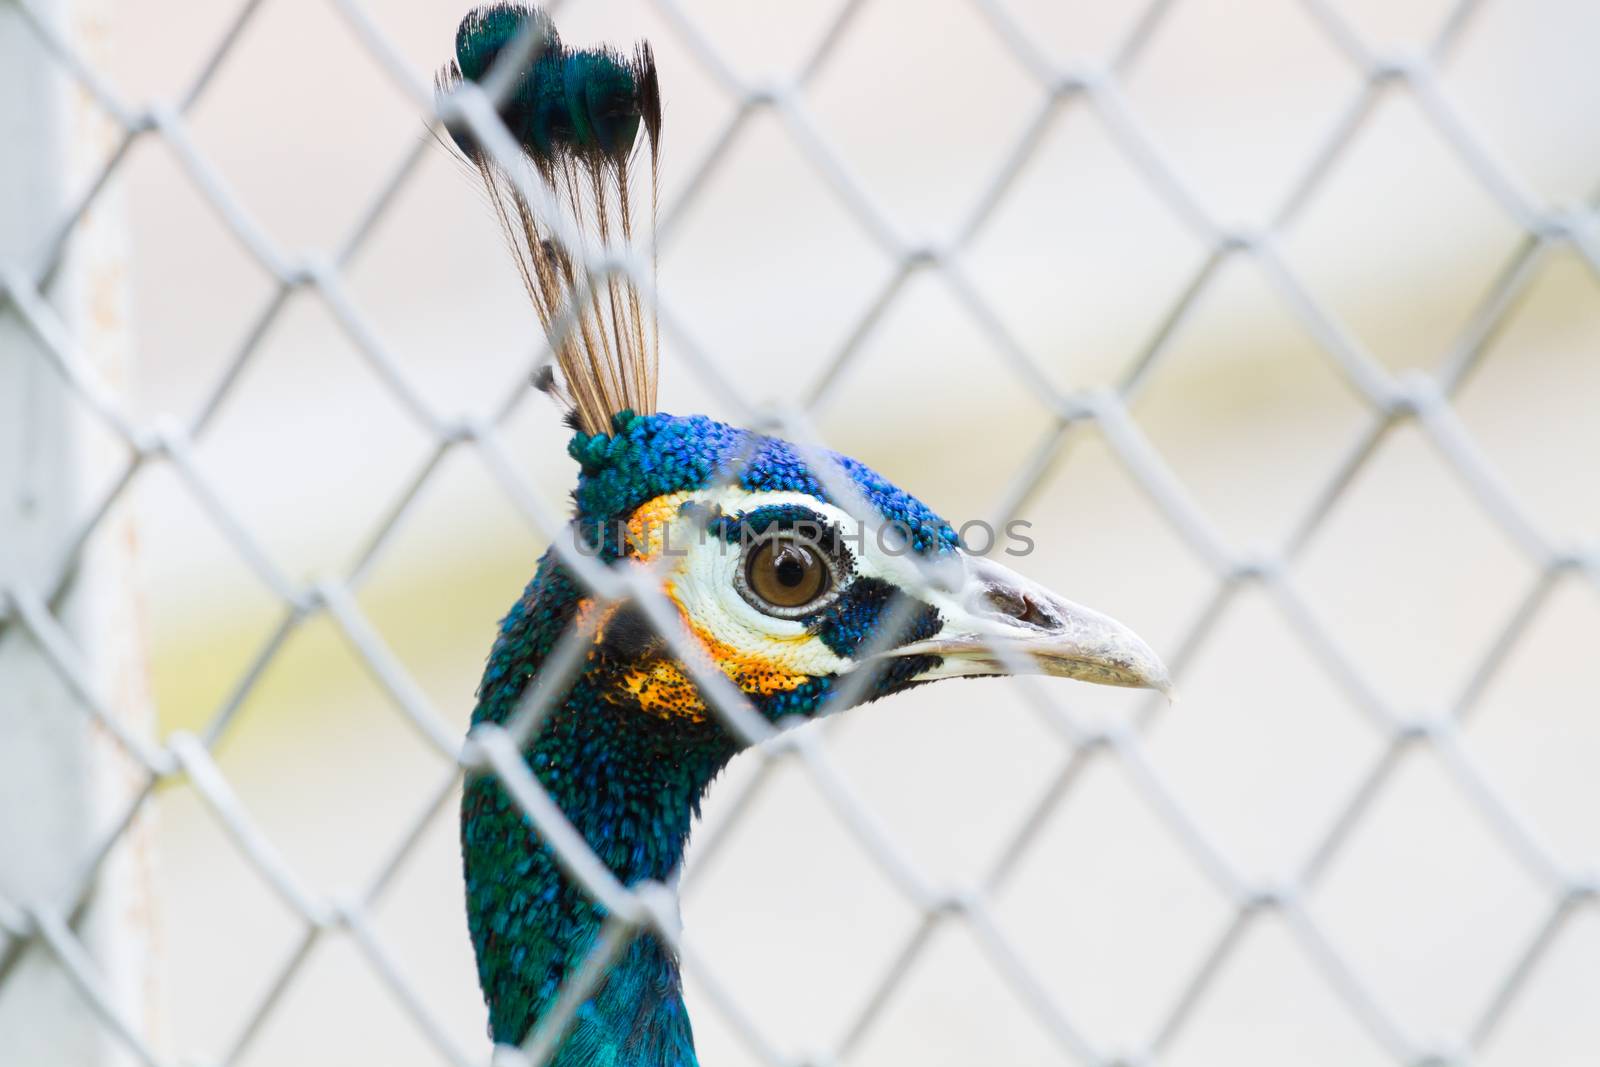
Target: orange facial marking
[
  {"x": 752, "y": 673},
  {"x": 662, "y": 688},
  {"x": 647, "y": 526},
  {"x": 585, "y": 618}
]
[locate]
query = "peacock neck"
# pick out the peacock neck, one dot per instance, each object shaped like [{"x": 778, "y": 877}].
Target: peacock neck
[{"x": 630, "y": 782}]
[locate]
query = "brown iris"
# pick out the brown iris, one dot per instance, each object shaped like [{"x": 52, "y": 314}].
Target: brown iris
[{"x": 787, "y": 574}]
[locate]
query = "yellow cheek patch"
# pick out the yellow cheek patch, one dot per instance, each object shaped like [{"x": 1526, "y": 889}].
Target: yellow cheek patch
[
  {"x": 661, "y": 687},
  {"x": 752, "y": 673},
  {"x": 647, "y": 526}
]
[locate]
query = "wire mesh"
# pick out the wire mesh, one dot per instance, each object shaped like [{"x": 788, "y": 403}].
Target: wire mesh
[{"x": 1423, "y": 399}]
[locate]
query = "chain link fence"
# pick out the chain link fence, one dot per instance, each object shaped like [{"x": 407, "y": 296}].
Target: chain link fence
[{"x": 1338, "y": 709}]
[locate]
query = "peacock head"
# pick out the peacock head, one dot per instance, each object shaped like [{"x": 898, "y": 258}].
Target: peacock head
[
  {"x": 803, "y": 577},
  {"x": 808, "y": 579}
]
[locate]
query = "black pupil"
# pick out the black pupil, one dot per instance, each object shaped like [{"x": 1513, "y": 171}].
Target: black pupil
[{"x": 790, "y": 566}]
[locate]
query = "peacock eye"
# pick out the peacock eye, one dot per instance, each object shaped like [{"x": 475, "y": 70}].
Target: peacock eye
[{"x": 786, "y": 577}]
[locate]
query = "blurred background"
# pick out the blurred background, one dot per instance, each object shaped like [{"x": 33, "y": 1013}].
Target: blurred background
[{"x": 1394, "y": 207}]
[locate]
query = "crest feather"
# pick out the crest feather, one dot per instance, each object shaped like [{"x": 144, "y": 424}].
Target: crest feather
[{"x": 577, "y": 115}]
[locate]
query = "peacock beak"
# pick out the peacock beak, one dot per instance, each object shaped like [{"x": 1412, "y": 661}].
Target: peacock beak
[{"x": 998, "y": 622}]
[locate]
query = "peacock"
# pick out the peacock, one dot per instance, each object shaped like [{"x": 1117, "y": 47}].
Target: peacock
[{"x": 754, "y": 541}]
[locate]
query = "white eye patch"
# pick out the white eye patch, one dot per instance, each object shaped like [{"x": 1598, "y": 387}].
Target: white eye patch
[{"x": 702, "y": 572}]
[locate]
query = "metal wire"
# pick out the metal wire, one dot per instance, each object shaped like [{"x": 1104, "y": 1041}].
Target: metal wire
[{"x": 1420, "y": 398}]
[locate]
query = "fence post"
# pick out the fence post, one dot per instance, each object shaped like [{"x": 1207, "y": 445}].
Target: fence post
[{"x": 63, "y": 783}]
